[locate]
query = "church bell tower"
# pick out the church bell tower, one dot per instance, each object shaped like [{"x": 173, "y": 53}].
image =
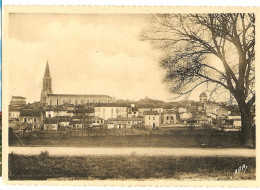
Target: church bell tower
[{"x": 46, "y": 87}]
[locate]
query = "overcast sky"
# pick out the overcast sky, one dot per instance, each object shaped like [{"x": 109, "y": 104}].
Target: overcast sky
[{"x": 87, "y": 54}]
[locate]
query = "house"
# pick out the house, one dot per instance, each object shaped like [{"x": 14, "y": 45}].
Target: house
[
  {"x": 14, "y": 113},
  {"x": 81, "y": 122},
  {"x": 63, "y": 122},
  {"x": 169, "y": 117},
  {"x": 120, "y": 123},
  {"x": 56, "y": 112},
  {"x": 83, "y": 112},
  {"x": 142, "y": 110},
  {"x": 151, "y": 119},
  {"x": 33, "y": 117},
  {"x": 18, "y": 101},
  {"x": 202, "y": 119},
  {"x": 110, "y": 111},
  {"x": 51, "y": 124}
]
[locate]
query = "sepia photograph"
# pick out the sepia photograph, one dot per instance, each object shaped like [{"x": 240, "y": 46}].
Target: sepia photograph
[{"x": 122, "y": 95}]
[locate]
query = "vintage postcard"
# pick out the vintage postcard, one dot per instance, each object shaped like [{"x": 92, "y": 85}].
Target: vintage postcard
[{"x": 130, "y": 96}]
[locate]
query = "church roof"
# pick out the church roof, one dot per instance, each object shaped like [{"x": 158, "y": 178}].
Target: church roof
[
  {"x": 82, "y": 95},
  {"x": 47, "y": 71}
]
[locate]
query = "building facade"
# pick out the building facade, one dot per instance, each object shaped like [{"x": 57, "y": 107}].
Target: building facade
[
  {"x": 112, "y": 111},
  {"x": 76, "y": 99},
  {"x": 17, "y": 101},
  {"x": 151, "y": 119}
]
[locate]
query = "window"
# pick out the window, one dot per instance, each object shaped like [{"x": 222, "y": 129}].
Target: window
[
  {"x": 134, "y": 112},
  {"x": 171, "y": 117},
  {"x": 167, "y": 117},
  {"x": 116, "y": 110},
  {"x": 97, "y": 121},
  {"x": 51, "y": 102},
  {"x": 57, "y": 102},
  {"x": 25, "y": 120},
  {"x": 34, "y": 120},
  {"x": 49, "y": 115}
]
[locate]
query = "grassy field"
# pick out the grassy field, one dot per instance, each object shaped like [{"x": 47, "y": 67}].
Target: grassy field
[
  {"x": 44, "y": 167},
  {"x": 134, "y": 138}
]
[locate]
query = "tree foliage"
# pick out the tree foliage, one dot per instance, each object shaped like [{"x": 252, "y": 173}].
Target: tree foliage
[
  {"x": 216, "y": 50},
  {"x": 190, "y": 42}
]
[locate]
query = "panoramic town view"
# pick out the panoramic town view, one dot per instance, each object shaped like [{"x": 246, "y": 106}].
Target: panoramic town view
[{"x": 172, "y": 99}]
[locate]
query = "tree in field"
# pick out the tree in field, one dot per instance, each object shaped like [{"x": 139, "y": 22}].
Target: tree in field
[{"x": 215, "y": 50}]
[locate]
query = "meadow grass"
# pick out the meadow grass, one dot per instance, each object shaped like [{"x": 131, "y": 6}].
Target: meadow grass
[{"x": 44, "y": 166}]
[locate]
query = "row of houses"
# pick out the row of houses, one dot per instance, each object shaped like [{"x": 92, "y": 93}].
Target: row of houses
[
  {"x": 120, "y": 115},
  {"x": 109, "y": 116}
]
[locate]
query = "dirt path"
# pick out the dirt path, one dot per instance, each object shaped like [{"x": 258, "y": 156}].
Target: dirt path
[{"x": 71, "y": 151}]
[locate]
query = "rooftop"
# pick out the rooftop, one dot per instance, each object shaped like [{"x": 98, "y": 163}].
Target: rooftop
[
  {"x": 82, "y": 95},
  {"x": 151, "y": 113},
  {"x": 126, "y": 119},
  {"x": 30, "y": 113},
  {"x": 18, "y": 97}
]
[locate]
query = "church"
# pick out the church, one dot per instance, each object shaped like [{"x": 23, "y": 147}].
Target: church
[{"x": 48, "y": 98}]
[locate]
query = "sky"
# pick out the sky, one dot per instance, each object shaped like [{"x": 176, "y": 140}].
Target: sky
[{"x": 87, "y": 54}]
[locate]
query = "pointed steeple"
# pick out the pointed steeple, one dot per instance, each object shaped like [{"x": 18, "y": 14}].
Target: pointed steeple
[
  {"x": 46, "y": 87},
  {"x": 47, "y": 71}
]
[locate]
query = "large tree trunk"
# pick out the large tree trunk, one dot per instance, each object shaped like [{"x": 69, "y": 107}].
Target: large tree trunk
[{"x": 248, "y": 130}]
